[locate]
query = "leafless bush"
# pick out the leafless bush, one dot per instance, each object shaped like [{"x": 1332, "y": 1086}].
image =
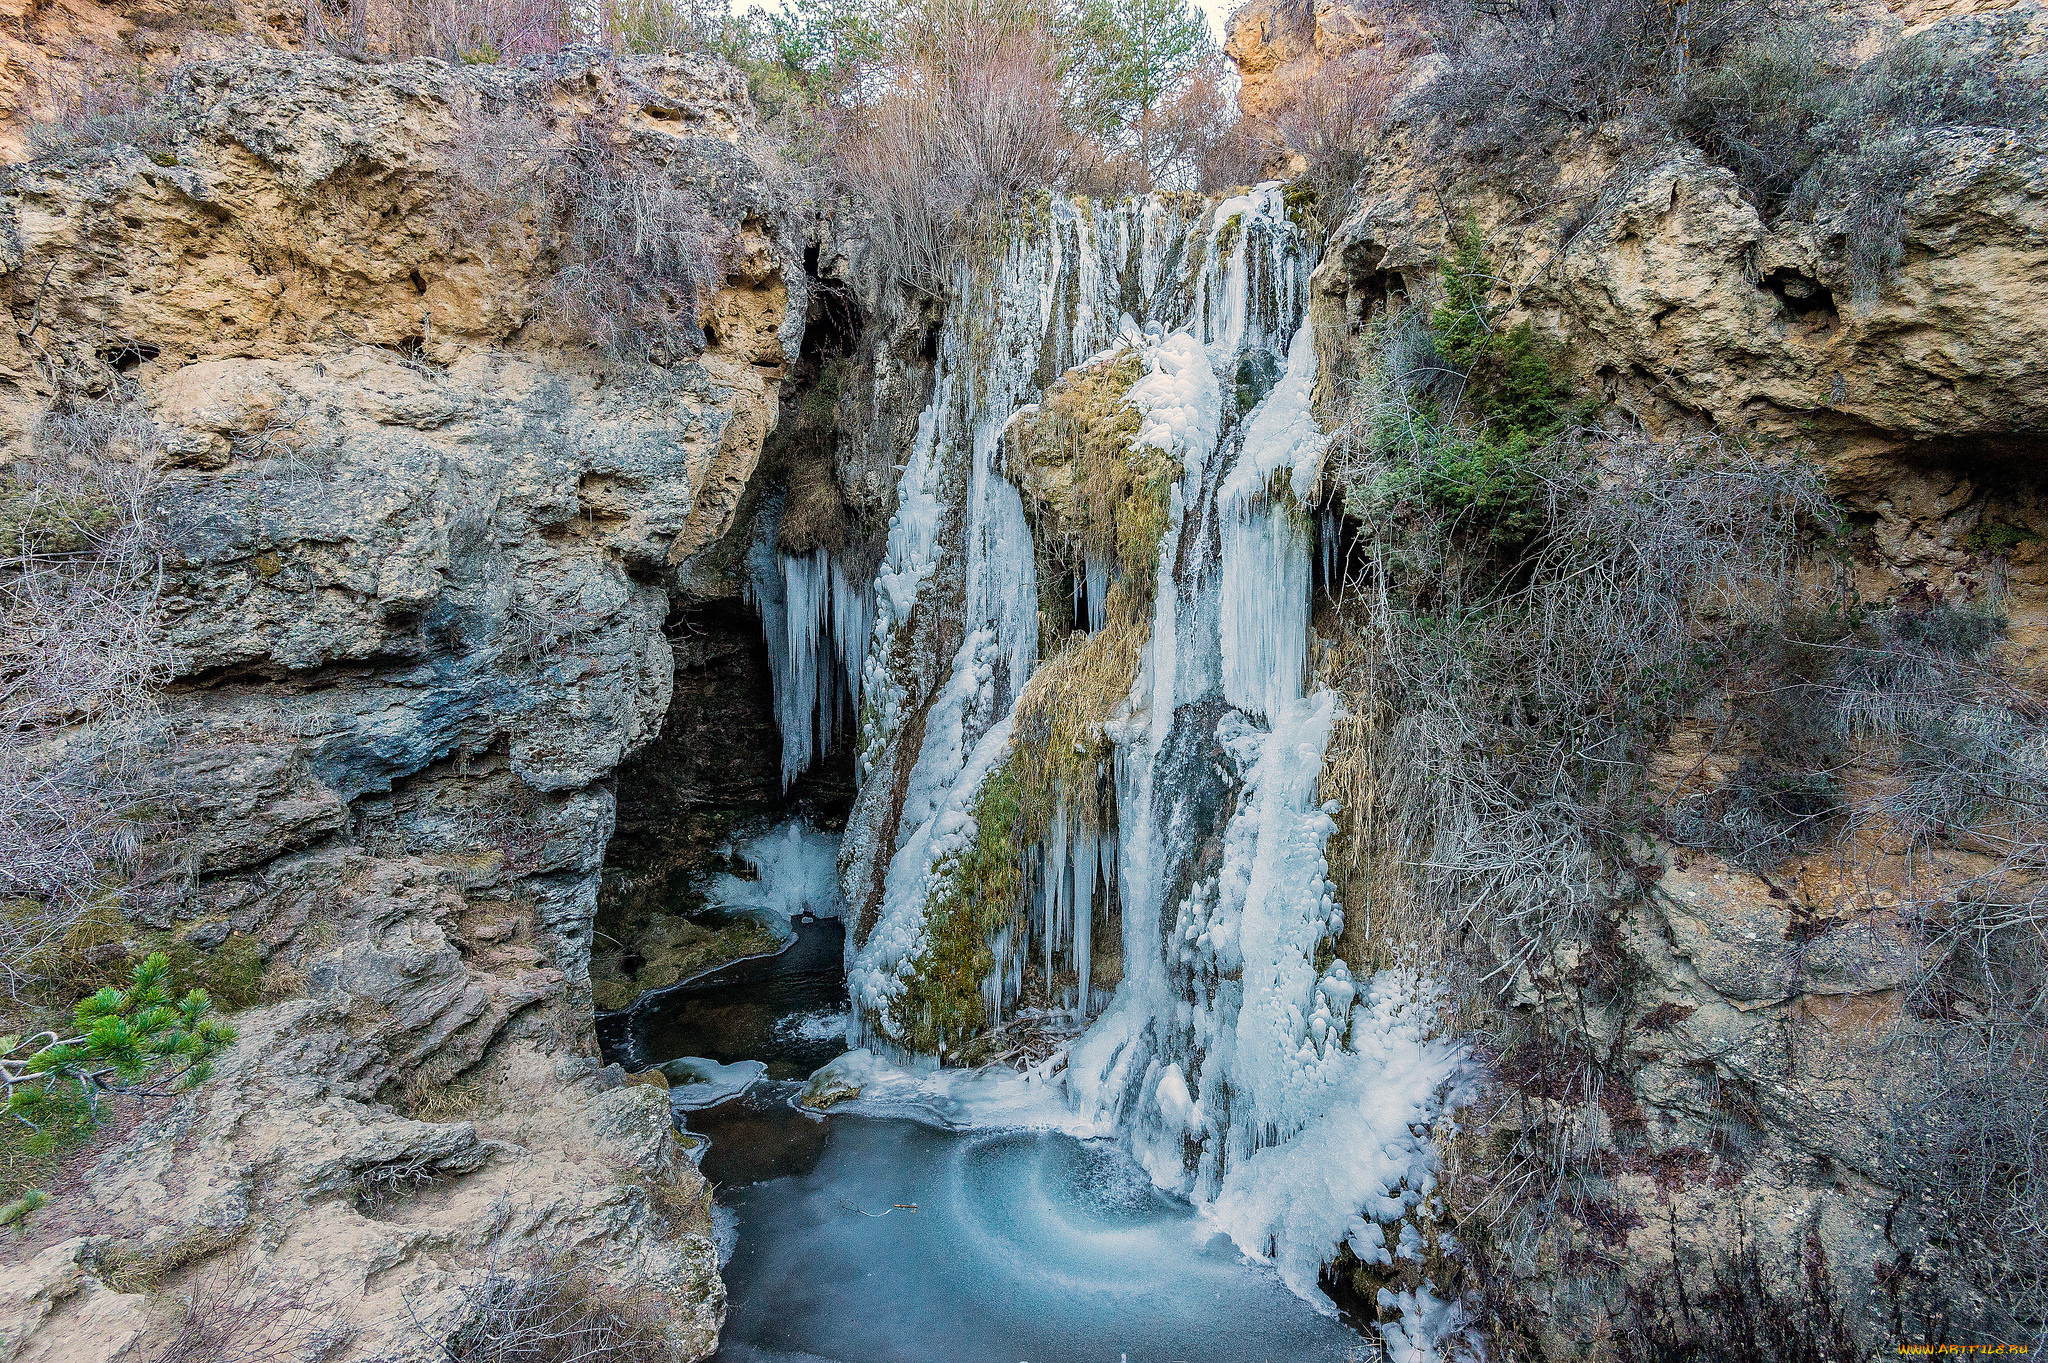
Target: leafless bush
[
  {"x": 551, "y": 1310},
  {"x": 1748, "y": 1312},
  {"x": 488, "y": 32},
  {"x": 107, "y": 104},
  {"x": 81, "y": 656},
  {"x": 1520, "y": 70},
  {"x": 1334, "y": 121},
  {"x": 468, "y": 31},
  {"x": 634, "y": 254},
  {"x": 1199, "y": 141},
  {"x": 671, "y": 26},
  {"x": 1770, "y": 88},
  {"x": 1521, "y": 725},
  {"x": 1968, "y": 747},
  {"x": 966, "y": 112},
  {"x": 1761, "y": 816},
  {"x": 229, "y": 1318},
  {"x": 379, "y": 1187}
]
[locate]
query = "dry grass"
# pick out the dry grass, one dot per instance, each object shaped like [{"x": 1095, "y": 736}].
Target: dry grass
[
  {"x": 553, "y": 1309},
  {"x": 1059, "y": 752},
  {"x": 1101, "y": 498},
  {"x": 127, "y": 1270},
  {"x": 464, "y": 1098},
  {"x": 1096, "y": 500}
]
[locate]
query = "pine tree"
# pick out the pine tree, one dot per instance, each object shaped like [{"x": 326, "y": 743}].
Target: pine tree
[
  {"x": 1124, "y": 59},
  {"x": 125, "y": 1037}
]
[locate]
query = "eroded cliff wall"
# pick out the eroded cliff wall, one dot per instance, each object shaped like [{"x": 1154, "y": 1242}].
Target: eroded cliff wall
[
  {"x": 420, "y": 552},
  {"x": 1750, "y": 1039}
]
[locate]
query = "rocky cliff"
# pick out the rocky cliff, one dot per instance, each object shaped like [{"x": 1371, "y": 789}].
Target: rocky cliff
[
  {"x": 445, "y": 581},
  {"x": 421, "y": 546},
  {"x": 1774, "y": 1006}
]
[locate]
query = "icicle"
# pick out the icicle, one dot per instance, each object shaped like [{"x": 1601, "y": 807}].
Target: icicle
[
  {"x": 1086, "y": 849},
  {"x": 1096, "y": 573},
  {"x": 1328, "y": 525},
  {"x": 802, "y": 704},
  {"x": 853, "y": 628},
  {"x": 1057, "y": 886}
]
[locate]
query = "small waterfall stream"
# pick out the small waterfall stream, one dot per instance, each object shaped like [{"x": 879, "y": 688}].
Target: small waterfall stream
[{"x": 1236, "y": 1058}]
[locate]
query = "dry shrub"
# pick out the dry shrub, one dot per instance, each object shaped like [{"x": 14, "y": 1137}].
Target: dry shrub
[
  {"x": 227, "y": 1316},
  {"x": 470, "y": 32},
  {"x": 1201, "y": 143},
  {"x": 490, "y": 32},
  {"x": 82, "y": 654},
  {"x": 1506, "y": 721},
  {"x": 553, "y": 1310},
  {"x": 1519, "y": 71},
  {"x": 1334, "y": 121},
  {"x": 1749, "y": 1312},
  {"x": 965, "y": 109},
  {"x": 105, "y": 104},
  {"x": 1967, "y": 743},
  {"x": 634, "y": 255},
  {"x": 1773, "y": 89}
]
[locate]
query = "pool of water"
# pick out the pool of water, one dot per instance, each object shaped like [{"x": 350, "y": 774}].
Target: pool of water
[
  {"x": 905, "y": 1243},
  {"x": 788, "y": 1010},
  {"x": 880, "y": 1239}
]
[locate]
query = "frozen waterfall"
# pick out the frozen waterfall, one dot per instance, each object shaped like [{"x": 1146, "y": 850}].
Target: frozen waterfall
[{"x": 1235, "y": 1055}]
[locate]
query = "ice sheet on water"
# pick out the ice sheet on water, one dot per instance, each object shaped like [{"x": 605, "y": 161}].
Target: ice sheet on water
[
  {"x": 695, "y": 1082},
  {"x": 917, "y": 1244}
]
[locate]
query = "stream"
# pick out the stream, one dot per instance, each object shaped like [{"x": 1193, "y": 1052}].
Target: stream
[{"x": 896, "y": 1236}]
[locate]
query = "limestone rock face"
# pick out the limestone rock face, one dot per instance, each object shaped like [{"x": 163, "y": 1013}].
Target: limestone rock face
[
  {"x": 418, "y": 547},
  {"x": 1758, "y": 1090},
  {"x": 1680, "y": 309},
  {"x": 1278, "y": 45}
]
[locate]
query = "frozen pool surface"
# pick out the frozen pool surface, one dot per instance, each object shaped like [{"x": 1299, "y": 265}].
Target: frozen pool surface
[
  {"x": 1023, "y": 1247},
  {"x": 866, "y": 1238}
]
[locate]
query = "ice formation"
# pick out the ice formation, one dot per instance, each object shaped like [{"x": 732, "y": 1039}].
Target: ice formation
[
  {"x": 1236, "y": 1058},
  {"x": 700, "y": 1083},
  {"x": 796, "y": 871},
  {"x": 817, "y": 622}
]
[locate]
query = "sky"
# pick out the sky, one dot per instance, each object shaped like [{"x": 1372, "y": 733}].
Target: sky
[{"x": 1218, "y": 11}]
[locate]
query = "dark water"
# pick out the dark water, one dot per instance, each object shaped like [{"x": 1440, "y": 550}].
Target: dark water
[
  {"x": 785, "y": 1010},
  {"x": 868, "y": 1239}
]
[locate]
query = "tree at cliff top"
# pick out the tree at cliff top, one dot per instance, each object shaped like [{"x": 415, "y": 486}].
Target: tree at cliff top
[{"x": 1124, "y": 61}]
